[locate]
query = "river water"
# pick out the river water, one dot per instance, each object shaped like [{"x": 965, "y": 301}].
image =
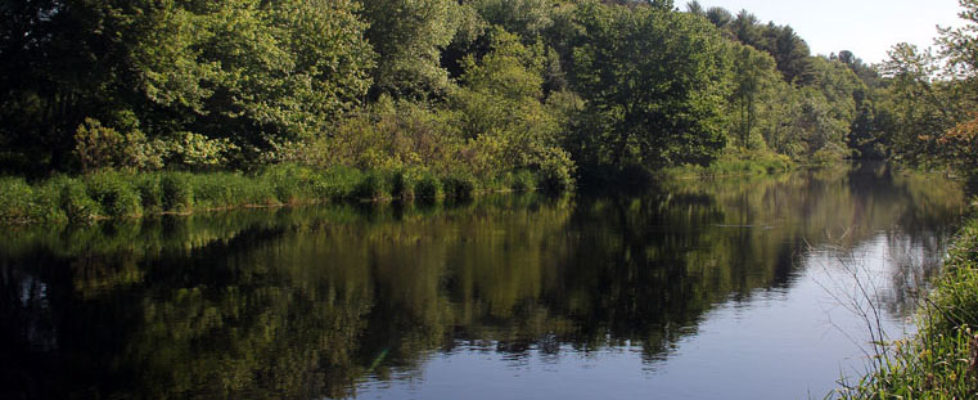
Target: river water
[{"x": 764, "y": 288}]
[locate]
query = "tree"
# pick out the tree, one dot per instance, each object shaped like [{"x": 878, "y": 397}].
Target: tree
[
  {"x": 960, "y": 45},
  {"x": 655, "y": 87},
  {"x": 253, "y": 72},
  {"x": 503, "y": 112},
  {"x": 918, "y": 107},
  {"x": 408, "y": 37},
  {"x": 756, "y": 82},
  {"x": 719, "y": 16}
]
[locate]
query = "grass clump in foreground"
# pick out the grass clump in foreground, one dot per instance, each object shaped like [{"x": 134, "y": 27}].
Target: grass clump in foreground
[
  {"x": 115, "y": 194},
  {"x": 941, "y": 361}
]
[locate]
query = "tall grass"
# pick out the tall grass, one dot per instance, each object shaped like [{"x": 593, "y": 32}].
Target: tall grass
[{"x": 114, "y": 194}]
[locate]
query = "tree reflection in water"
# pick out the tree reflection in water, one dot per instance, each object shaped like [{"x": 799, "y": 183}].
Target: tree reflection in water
[{"x": 305, "y": 303}]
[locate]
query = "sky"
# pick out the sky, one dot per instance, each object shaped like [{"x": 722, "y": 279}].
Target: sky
[{"x": 868, "y": 28}]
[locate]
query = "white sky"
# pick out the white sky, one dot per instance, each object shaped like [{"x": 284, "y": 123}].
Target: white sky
[{"x": 868, "y": 28}]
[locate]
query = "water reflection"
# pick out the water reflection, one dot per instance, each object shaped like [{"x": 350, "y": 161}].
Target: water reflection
[{"x": 327, "y": 301}]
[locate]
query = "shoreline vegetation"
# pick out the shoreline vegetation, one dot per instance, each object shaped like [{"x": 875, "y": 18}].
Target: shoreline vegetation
[
  {"x": 108, "y": 194},
  {"x": 114, "y": 194},
  {"x": 941, "y": 360}
]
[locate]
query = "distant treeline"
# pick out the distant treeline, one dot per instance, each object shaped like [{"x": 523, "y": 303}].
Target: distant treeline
[{"x": 561, "y": 88}]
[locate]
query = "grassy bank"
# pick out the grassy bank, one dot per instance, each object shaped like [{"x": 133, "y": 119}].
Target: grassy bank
[
  {"x": 941, "y": 361},
  {"x": 735, "y": 162},
  {"x": 114, "y": 194}
]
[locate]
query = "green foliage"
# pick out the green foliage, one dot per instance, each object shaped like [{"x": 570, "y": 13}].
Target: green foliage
[
  {"x": 196, "y": 151},
  {"x": 755, "y": 100},
  {"x": 289, "y": 182},
  {"x": 458, "y": 187},
  {"x": 408, "y": 36},
  {"x": 522, "y": 181},
  {"x": 150, "y": 190},
  {"x": 219, "y": 190},
  {"x": 249, "y": 72},
  {"x": 655, "y": 85},
  {"x": 75, "y": 200},
  {"x": 737, "y": 161},
  {"x": 15, "y": 199},
  {"x": 177, "y": 191},
  {"x": 373, "y": 186},
  {"x": 403, "y": 183},
  {"x": 502, "y": 111},
  {"x": 115, "y": 193},
  {"x": 917, "y": 109},
  {"x": 336, "y": 183},
  {"x": 46, "y": 204},
  {"x": 98, "y": 146},
  {"x": 481, "y": 88},
  {"x": 781, "y": 42},
  {"x": 427, "y": 189}
]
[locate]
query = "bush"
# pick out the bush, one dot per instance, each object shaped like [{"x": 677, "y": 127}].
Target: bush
[
  {"x": 150, "y": 192},
  {"x": 114, "y": 192},
  {"x": 46, "y": 204},
  {"x": 522, "y": 181},
  {"x": 556, "y": 173},
  {"x": 336, "y": 183},
  {"x": 15, "y": 200},
  {"x": 371, "y": 187},
  {"x": 177, "y": 190},
  {"x": 288, "y": 182},
  {"x": 458, "y": 187},
  {"x": 402, "y": 184},
  {"x": 214, "y": 190},
  {"x": 427, "y": 189},
  {"x": 75, "y": 201}
]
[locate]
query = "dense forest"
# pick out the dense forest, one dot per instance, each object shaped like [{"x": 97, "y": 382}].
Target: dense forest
[{"x": 565, "y": 89}]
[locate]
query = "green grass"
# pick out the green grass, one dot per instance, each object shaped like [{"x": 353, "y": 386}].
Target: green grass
[
  {"x": 941, "y": 361},
  {"x": 737, "y": 162},
  {"x": 114, "y": 194}
]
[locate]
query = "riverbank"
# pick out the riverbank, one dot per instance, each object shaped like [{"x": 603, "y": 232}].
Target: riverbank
[
  {"x": 114, "y": 194},
  {"x": 941, "y": 361},
  {"x": 735, "y": 163}
]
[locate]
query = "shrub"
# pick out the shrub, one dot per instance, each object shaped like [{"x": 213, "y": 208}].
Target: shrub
[
  {"x": 46, "y": 204},
  {"x": 97, "y": 146},
  {"x": 177, "y": 190},
  {"x": 15, "y": 200},
  {"x": 556, "y": 173},
  {"x": 522, "y": 181},
  {"x": 75, "y": 201},
  {"x": 114, "y": 192},
  {"x": 214, "y": 190},
  {"x": 371, "y": 187},
  {"x": 336, "y": 182},
  {"x": 150, "y": 192},
  {"x": 402, "y": 184},
  {"x": 288, "y": 182},
  {"x": 458, "y": 187},
  {"x": 427, "y": 189}
]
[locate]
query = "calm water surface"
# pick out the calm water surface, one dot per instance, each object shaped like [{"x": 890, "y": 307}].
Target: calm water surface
[{"x": 697, "y": 290}]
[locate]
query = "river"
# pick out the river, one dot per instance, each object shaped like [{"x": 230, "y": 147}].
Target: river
[{"x": 761, "y": 288}]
